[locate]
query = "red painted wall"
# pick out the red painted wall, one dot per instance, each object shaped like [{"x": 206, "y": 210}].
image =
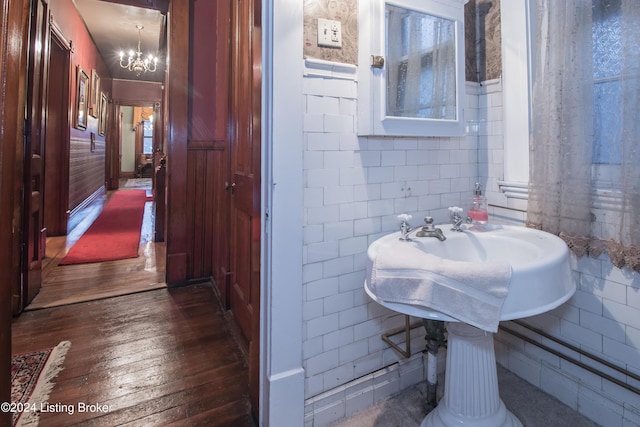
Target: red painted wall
[
  {"x": 85, "y": 53},
  {"x": 87, "y": 165}
]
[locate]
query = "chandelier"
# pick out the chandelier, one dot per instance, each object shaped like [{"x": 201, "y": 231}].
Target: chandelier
[{"x": 135, "y": 62}]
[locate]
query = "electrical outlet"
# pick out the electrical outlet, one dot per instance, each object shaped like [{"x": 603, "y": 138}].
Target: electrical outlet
[{"x": 329, "y": 33}]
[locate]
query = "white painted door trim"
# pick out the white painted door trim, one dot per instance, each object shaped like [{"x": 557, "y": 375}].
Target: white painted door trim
[{"x": 281, "y": 370}]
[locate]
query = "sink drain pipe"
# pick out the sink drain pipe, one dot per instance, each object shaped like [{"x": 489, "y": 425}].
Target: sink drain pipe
[{"x": 435, "y": 338}]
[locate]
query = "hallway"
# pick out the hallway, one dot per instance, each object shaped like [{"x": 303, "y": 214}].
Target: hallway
[
  {"x": 161, "y": 357},
  {"x": 152, "y": 362},
  {"x": 153, "y": 355},
  {"x": 70, "y": 284}
]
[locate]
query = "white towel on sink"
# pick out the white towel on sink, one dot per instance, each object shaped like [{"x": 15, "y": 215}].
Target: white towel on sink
[{"x": 467, "y": 291}]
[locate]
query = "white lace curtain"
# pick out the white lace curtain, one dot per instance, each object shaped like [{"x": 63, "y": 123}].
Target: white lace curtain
[{"x": 585, "y": 141}]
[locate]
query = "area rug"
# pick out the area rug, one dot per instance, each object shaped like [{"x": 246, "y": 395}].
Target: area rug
[
  {"x": 138, "y": 182},
  {"x": 115, "y": 234},
  {"x": 32, "y": 376}
]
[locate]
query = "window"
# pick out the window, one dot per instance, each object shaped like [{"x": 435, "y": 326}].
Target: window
[
  {"x": 147, "y": 137},
  {"x": 586, "y": 134},
  {"x": 606, "y": 78},
  {"x": 518, "y": 73}
]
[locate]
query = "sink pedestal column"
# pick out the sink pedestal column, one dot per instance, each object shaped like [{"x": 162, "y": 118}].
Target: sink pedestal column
[{"x": 471, "y": 395}]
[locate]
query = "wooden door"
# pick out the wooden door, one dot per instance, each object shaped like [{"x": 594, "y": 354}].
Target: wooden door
[
  {"x": 13, "y": 37},
  {"x": 245, "y": 180},
  {"x": 57, "y": 140},
  {"x": 34, "y": 233},
  {"x": 213, "y": 229}
]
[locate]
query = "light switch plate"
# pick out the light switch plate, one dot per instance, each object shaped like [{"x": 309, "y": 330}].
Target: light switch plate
[{"x": 329, "y": 33}]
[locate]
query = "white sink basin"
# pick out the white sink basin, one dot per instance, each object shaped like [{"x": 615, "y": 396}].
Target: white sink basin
[
  {"x": 541, "y": 274},
  {"x": 540, "y": 281}
]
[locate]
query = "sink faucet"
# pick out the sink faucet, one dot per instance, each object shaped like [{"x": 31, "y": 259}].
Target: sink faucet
[
  {"x": 405, "y": 228},
  {"x": 430, "y": 231}
]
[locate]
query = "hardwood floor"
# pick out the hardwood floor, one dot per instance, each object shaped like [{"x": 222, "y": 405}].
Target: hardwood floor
[
  {"x": 163, "y": 357},
  {"x": 160, "y": 357},
  {"x": 68, "y": 284}
]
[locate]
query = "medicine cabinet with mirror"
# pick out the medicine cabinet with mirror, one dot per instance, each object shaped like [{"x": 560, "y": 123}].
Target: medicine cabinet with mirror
[{"x": 411, "y": 68}]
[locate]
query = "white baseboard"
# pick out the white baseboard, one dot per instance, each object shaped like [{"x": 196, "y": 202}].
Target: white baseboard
[
  {"x": 361, "y": 393},
  {"x": 287, "y": 408}
]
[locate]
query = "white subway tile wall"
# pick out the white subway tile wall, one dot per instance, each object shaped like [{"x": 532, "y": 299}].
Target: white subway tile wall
[
  {"x": 602, "y": 318},
  {"x": 354, "y": 189}
]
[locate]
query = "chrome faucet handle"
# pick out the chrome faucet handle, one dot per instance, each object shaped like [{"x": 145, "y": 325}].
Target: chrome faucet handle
[
  {"x": 456, "y": 218},
  {"x": 455, "y": 211},
  {"x": 405, "y": 228},
  {"x": 429, "y": 221}
]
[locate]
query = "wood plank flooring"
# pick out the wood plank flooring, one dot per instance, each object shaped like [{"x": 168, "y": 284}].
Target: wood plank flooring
[
  {"x": 160, "y": 357},
  {"x": 163, "y": 357},
  {"x": 68, "y": 284}
]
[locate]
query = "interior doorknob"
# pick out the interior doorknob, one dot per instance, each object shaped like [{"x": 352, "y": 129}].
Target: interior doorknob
[{"x": 231, "y": 186}]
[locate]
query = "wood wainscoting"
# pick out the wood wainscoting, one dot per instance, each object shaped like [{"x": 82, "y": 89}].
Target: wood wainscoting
[{"x": 214, "y": 208}]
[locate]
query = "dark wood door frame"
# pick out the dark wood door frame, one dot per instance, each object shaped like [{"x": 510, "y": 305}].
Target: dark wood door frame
[
  {"x": 177, "y": 99},
  {"x": 33, "y": 230},
  {"x": 14, "y": 18},
  {"x": 113, "y": 138},
  {"x": 245, "y": 139},
  {"x": 113, "y": 142},
  {"x": 57, "y": 138}
]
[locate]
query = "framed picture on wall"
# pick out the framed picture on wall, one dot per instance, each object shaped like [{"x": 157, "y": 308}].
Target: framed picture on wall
[
  {"x": 82, "y": 97},
  {"x": 94, "y": 94},
  {"x": 102, "y": 120}
]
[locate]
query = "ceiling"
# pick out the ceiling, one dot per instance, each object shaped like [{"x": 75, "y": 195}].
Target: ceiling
[{"x": 112, "y": 25}]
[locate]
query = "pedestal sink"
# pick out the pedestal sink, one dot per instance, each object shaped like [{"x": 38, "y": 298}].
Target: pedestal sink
[{"x": 540, "y": 281}]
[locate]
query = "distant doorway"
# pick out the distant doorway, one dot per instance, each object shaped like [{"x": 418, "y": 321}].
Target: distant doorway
[{"x": 136, "y": 136}]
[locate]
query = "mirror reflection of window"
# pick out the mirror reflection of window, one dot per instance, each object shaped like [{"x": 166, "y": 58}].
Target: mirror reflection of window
[{"x": 421, "y": 73}]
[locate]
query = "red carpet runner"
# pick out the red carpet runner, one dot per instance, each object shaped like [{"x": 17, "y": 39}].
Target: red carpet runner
[{"x": 115, "y": 234}]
